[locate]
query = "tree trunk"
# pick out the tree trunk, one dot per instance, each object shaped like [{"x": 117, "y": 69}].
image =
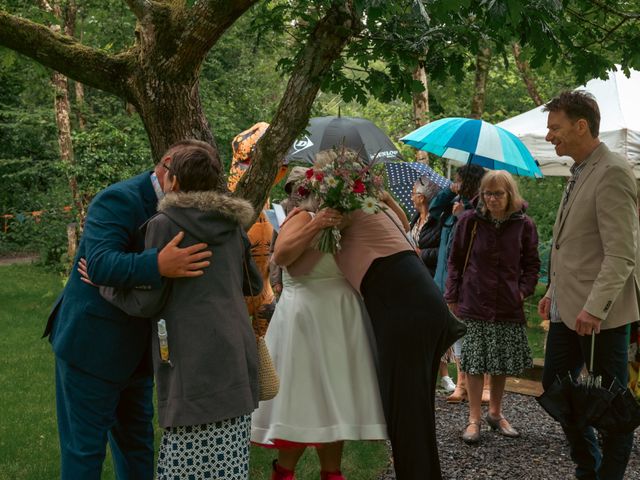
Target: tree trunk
[
  {"x": 421, "y": 107},
  {"x": 172, "y": 112},
  {"x": 525, "y": 73},
  {"x": 63, "y": 122},
  {"x": 483, "y": 62},
  {"x": 325, "y": 44},
  {"x": 62, "y": 105},
  {"x": 72, "y": 242},
  {"x": 159, "y": 74},
  {"x": 79, "y": 102}
]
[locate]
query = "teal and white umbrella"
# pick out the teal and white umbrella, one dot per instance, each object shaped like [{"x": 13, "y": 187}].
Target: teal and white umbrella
[{"x": 475, "y": 141}]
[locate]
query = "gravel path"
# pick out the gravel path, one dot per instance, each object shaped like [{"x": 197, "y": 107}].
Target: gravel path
[{"x": 540, "y": 453}]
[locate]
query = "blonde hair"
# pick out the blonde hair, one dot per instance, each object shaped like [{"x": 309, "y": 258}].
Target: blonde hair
[{"x": 502, "y": 178}]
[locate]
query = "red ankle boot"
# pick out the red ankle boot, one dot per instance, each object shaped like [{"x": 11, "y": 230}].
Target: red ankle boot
[
  {"x": 337, "y": 475},
  {"x": 281, "y": 473}
]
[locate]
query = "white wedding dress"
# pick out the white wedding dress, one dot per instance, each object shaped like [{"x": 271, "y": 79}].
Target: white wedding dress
[{"x": 321, "y": 349}]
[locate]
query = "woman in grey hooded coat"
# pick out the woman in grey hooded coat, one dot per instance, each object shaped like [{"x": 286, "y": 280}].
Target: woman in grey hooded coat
[{"x": 206, "y": 378}]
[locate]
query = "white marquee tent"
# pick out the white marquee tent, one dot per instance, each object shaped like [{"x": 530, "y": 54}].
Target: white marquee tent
[{"x": 619, "y": 102}]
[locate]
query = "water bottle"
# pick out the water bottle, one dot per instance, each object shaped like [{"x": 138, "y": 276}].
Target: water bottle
[{"x": 163, "y": 340}]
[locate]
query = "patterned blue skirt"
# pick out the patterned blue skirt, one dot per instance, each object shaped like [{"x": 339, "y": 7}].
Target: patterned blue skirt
[{"x": 211, "y": 451}]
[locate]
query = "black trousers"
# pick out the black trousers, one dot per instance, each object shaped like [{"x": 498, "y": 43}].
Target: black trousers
[{"x": 413, "y": 328}]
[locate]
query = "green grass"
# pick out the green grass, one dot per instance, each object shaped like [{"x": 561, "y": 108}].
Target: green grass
[
  {"x": 535, "y": 332},
  {"x": 28, "y": 438},
  {"x": 28, "y": 434}
]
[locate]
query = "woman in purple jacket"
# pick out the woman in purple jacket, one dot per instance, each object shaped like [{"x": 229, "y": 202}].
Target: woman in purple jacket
[{"x": 493, "y": 267}]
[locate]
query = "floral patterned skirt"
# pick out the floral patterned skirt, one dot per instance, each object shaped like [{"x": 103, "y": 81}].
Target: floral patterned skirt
[
  {"x": 495, "y": 348},
  {"x": 211, "y": 451}
]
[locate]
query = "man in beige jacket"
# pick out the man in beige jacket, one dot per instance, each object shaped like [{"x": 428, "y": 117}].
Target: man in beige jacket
[{"x": 594, "y": 272}]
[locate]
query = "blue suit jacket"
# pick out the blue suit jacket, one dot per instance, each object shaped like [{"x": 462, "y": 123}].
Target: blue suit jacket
[{"x": 84, "y": 329}]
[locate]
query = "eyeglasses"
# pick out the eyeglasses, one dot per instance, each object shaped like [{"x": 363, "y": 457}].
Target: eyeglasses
[
  {"x": 497, "y": 195},
  {"x": 166, "y": 166}
]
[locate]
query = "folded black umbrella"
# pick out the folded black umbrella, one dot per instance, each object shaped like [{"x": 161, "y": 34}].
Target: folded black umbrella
[
  {"x": 623, "y": 414},
  {"x": 556, "y": 400},
  {"x": 587, "y": 402}
]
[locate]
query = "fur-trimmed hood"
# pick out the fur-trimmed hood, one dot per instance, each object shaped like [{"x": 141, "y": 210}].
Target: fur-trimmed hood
[{"x": 208, "y": 215}]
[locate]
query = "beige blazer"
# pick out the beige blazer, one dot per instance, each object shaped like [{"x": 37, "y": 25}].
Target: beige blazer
[{"x": 594, "y": 255}]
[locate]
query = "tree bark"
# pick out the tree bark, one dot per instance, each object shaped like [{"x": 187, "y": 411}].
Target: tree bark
[
  {"x": 72, "y": 243},
  {"x": 325, "y": 44},
  {"x": 62, "y": 106},
  {"x": 66, "y": 55},
  {"x": 159, "y": 74},
  {"x": 79, "y": 102},
  {"x": 525, "y": 74},
  {"x": 421, "y": 106},
  {"x": 483, "y": 62}
]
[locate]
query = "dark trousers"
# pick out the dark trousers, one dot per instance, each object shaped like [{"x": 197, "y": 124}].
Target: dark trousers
[
  {"x": 569, "y": 352},
  {"x": 92, "y": 411},
  {"x": 413, "y": 327}
]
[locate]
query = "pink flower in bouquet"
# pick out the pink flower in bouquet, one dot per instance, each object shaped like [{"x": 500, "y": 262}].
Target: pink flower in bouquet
[
  {"x": 341, "y": 181},
  {"x": 359, "y": 186}
]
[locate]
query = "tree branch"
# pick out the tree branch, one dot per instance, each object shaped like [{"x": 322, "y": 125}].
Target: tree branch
[
  {"x": 324, "y": 45},
  {"x": 610, "y": 9},
  {"x": 65, "y": 54},
  {"x": 203, "y": 26},
  {"x": 138, "y": 7},
  {"x": 607, "y": 31}
]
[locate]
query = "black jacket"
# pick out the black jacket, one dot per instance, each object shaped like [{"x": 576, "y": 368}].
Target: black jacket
[{"x": 429, "y": 241}]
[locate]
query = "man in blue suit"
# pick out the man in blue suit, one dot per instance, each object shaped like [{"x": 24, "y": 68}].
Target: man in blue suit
[{"x": 103, "y": 366}]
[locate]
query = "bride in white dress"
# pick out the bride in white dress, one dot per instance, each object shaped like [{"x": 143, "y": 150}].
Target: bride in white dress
[{"x": 320, "y": 346}]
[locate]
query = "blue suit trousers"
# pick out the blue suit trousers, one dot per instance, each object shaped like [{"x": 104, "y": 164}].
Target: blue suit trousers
[{"x": 91, "y": 412}]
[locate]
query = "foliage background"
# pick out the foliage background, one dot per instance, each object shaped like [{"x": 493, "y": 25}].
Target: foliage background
[{"x": 241, "y": 83}]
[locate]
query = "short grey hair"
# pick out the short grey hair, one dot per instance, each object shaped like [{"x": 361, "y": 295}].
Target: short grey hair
[{"x": 427, "y": 188}]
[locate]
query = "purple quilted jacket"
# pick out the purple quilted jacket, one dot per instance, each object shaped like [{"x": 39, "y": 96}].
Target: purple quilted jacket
[{"x": 502, "y": 269}]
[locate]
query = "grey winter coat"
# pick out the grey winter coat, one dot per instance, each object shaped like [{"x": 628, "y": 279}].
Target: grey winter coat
[{"x": 212, "y": 370}]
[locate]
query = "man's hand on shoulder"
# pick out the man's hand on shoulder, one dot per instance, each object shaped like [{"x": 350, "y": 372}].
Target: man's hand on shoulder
[
  {"x": 175, "y": 262},
  {"x": 587, "y": 323}
]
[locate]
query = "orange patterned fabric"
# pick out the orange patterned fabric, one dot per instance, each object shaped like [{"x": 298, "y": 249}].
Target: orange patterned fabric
[
  {"x": 244, "y": 146},
  {"x": 261, "y": 233}
]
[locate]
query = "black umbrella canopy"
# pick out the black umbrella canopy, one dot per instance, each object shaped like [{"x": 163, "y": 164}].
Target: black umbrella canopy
[
  {"x": 324, "y": 133},
  {"x": 586, "y": 402}
]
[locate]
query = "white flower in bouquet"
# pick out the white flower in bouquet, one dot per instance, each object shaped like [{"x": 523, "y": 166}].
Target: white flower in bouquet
[{"x": 370, "y": 205}]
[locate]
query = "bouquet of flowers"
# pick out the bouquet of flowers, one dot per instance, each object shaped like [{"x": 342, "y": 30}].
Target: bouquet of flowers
[{"x": 343, "y": 182}]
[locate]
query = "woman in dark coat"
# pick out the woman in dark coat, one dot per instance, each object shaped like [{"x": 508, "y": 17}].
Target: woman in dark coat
[
  {"x": 425, "y": 233},
  {"x": 451, "y": 202},
  {"x": 493, "y": 267},
  {"x": 425, "y": 226},
  {"x": 207, "y": 379}
]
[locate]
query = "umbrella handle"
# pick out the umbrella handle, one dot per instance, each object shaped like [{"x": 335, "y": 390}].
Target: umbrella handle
[{"x": 593, "y": 347}]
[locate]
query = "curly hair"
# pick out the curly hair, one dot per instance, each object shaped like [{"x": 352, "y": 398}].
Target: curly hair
[{"x": 470, "y": 177}]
